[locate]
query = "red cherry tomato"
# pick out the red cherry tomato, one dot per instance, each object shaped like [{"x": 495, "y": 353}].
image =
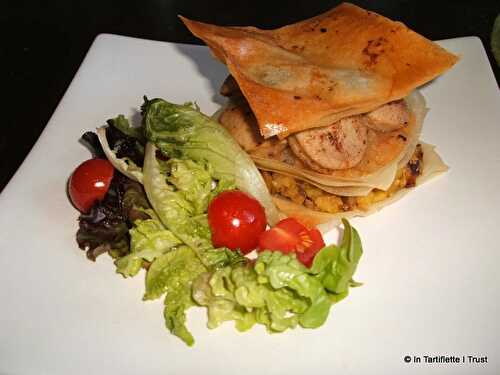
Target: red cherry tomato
[
  {"x": 291, "y": 236},
  {"x": 90, "y": 182},
  {"x": 236, "y": 220},
  {"x": 307, "y": 256}
]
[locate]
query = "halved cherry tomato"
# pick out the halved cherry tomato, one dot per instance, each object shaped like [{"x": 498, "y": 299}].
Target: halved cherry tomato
[
  {"x": 291, "y": 236},
  {"x": 236, "y": 220},
  {"x": 90, "y": 182},
  {"x": 307, "y": 256}
]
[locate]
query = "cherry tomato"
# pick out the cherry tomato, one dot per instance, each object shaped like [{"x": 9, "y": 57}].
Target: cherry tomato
[
  {"x": 291, "y": 236},
  {"x": 90, "y": 182},
  {"x": 307, "y": 256},
  {"x": 236, "y": 220}
]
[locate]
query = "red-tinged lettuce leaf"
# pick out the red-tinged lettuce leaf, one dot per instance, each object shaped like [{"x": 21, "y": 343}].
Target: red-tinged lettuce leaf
[
  {"x": 106, "y": 227},
  {"x": 125, "y": 140}
]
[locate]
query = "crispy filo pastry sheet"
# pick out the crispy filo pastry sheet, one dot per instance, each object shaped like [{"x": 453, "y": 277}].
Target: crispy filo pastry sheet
[
  {"x": 433, "y": 166},
  {"x": 385, "y": 154},
  {"x": 315, "y": 72}
]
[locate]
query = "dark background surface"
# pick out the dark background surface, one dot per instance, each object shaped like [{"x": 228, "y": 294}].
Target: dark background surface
[{"x": 43, "y": 44}]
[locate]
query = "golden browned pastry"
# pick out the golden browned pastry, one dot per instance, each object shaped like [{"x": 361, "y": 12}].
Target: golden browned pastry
[
  {"x": 328, "y": 108},
  {"x": 315, "y": 72}
]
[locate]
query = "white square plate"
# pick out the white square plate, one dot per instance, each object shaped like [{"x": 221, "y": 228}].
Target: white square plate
[{"x": 430, "y": 268}]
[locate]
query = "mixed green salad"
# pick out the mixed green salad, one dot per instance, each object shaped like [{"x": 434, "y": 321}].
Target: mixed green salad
[{"x": 180, "y": 199}]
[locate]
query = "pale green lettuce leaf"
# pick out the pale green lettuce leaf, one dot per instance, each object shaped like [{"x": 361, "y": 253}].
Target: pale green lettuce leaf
[
  {"x": 193, "y": 180},
  {"x": 215, "y": 291},
  {"x": 181, "y": 131},
  {"x": 285, "y": 271},
  {"x": 148, "y": 240},
  {"x": 177, "y": 302},
  {"x": 222, "y": 257},
  {"x": 172, "y": 270},
  {"x": 174, "y": 211},
  {"x": 173, "y": 273}
]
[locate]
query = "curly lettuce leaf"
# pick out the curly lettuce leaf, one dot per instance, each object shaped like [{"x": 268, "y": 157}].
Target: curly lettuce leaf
[
  {"x": 105, "y": 228},
  {"x": 216, "y": 292},
  {"x": 173, "y": 273},
  {"x": 148, "y": 240},
  {"x": 222, "y": 257},
  {"x": 278, "y": 291},
  {"x": 181, "y": 131},
  {"x": 170, "y": 270},
  {"x": 176, "y": 303},
  {"x": 285, "y": 271},
  {"x": 239, "y": 294}
]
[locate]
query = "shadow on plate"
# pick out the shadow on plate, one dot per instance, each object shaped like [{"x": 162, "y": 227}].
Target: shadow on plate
[{"x": 214, "y": 71}]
